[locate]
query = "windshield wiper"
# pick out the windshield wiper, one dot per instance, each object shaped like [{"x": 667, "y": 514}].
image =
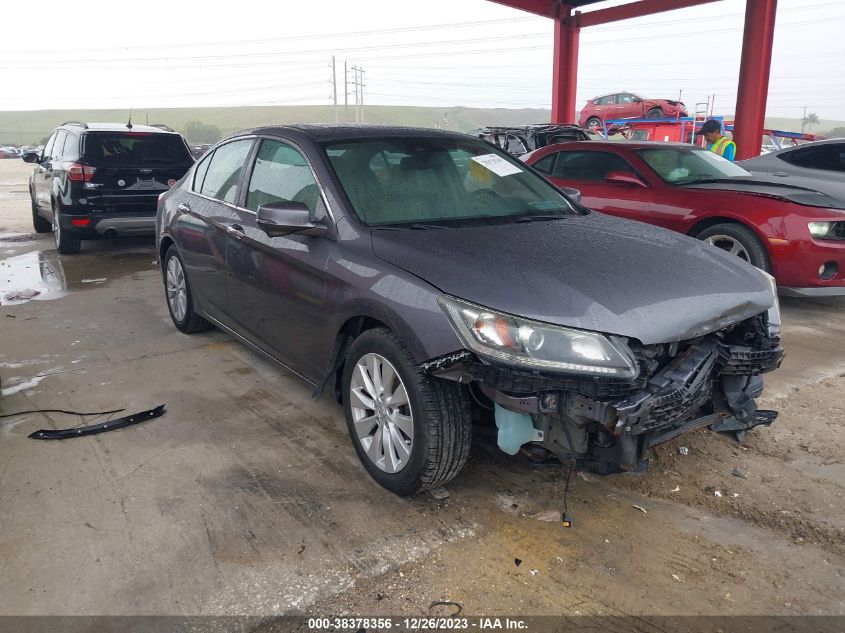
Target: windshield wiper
[{"x": 413, "y": 226}]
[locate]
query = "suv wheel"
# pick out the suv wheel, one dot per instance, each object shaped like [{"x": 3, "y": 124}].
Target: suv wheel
[
  {"x": 655, "y": 113},
  {"x": 66, "y": 243},
  {"x": 594, "y": 123},
  {"x": 178, "y": 293},
  {"x": 412, "y": 432},
  {"x": 738, "y": 240},
  {"x": 41, "y": 225}
]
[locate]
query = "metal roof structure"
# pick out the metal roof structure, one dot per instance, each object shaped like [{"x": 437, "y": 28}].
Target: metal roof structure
[{"x": 755, "y": 62}]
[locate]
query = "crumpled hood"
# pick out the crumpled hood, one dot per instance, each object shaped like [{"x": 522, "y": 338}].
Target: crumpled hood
[
  {"x": 763, "y": 186},
  {"x": 592, "y": 272}
]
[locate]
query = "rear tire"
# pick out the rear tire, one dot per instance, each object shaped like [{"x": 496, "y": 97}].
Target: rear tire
[
  {"x": 40, "y": 224},
  {"x": 738, "y": 240},
  {"x": 655, "y": 113},
  {"x": 177, "y": 292},
  {"x": 594, "y": 123},
  {"x": 430, "y": 444},
  {"x": 66, "y": 243}
]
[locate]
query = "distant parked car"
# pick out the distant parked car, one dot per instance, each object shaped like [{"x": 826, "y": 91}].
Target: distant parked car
[
  {"x": 8, "y": 152},
  {"x": 429, "y": 279},
  {"x": 521, "y": 139},
  {"x": 797, "y": 234},
  {"x": 198, "y": 151},
  {"x": 97, "y": 180},
  {"x": 626, "y": 105},
  {"x": 818, "y": 165}
]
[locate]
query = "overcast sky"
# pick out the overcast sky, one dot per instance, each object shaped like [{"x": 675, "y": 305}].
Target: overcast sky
[{"x": 437, "y": 53}]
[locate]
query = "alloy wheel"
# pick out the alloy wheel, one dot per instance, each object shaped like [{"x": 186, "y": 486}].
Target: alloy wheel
[
  {"x": 730, "y": 245},
  {"x": 381, "y": 413},
  {"x": 177, "y": 290}
]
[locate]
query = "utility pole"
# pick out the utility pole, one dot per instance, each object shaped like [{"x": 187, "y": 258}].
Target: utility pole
[
  {"x": 356, "y": 85},
  {"x": 334, "y": 89},
  {"x": 345, "y": 93},
  {"x": 361, "y": 92}
]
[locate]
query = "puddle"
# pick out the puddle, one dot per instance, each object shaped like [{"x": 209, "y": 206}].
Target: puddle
[{"x": 44, "y": 275}]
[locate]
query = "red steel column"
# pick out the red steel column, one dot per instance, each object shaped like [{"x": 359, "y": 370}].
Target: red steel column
[
  {"x": 565, "y": 68},
  {"x": 754, "y": 70}
]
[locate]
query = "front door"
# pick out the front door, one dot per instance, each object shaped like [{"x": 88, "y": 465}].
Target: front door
[
  {"x": 42, "y": 178},
  {"x": 587, "y": 171},
  {"x": 278, "y": 284}
]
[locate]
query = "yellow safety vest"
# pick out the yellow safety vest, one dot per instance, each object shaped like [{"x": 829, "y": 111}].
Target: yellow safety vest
[{"x": 721, "y": 145}]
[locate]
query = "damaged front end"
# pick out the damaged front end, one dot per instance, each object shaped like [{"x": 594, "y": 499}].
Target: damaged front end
[{"x": 608, "y": 422}]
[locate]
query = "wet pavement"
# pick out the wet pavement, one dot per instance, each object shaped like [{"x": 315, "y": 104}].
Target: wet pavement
[{"x": 246, "y": 497}]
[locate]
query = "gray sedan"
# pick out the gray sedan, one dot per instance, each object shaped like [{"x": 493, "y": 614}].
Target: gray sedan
[
  {"x": 819, "y": 165},
  {"x": 431, "y": 281}
]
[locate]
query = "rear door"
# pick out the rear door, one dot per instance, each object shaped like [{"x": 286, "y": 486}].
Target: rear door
[
  {"x": 278, "y": 285},
  {"x": 132, "y": 168},
  {"x": 205, "y": 211},
  {"x": 587, "y": 170},
  {"x": 628, "y": 107}
]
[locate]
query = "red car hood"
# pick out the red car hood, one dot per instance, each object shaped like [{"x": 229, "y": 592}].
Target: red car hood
[{"x": 789, "y": 193}]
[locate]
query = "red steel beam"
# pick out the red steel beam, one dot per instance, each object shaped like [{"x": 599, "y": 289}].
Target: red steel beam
[
  {"x": 634, "y": 10},
  {"x": 754, "y": 68},
  {"x": 546, "y": 8},
  {"x": 565, "y": 68}
]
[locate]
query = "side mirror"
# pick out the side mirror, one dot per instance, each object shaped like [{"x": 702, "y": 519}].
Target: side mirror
[
  {"x": 288, "y": 218},
  {"x": 624, "y": 178},
  {"x": 572, "y": 194},
  {"x": 637, "y": 100},
  {"x": 31, "y": 157}
]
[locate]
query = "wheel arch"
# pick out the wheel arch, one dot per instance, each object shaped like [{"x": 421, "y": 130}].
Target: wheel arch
[
  {"x": 706, "y": 223},
  {"x": 164, "y": 244}
]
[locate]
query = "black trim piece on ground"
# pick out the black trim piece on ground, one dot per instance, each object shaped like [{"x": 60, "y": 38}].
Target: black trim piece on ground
[{"x": 111, "y": 425}]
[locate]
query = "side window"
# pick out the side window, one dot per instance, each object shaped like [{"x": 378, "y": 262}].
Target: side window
[
  {"x": 200, "y": 171},
  {"x": 48, "y": 148},
  {"x": 546, "y": 164},
  {"x": 625, "y": 98},
  {"x": 71, "y": 146},
  {"x": 60, "y": 142},
  {"x": 224, "y": 171},
  {"x": 281, "y": 174},
  {"x": 608, "y": 100},
  {"x": 827, "y": 157},
  {"x": 515, "y": 145},
  {"x": 589, "y": 166}
]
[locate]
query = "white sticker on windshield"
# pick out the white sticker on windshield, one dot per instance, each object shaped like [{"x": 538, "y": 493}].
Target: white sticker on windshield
[{"x": 497, "y": 164}]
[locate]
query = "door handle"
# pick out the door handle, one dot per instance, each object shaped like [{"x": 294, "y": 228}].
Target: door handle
[
  {"x": 236, "y": 231},
  {"x": 782, "y": 174},
  {"x": 184, "y": 207}
]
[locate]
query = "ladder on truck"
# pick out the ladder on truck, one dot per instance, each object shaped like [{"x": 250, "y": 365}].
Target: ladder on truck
[{"x": 703, "y": 111}]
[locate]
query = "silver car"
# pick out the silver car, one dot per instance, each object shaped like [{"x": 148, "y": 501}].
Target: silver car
[{"x": 819, "y": 165}]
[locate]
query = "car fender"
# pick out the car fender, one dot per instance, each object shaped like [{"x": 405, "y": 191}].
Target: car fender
[{"x": 776, "y": 224}]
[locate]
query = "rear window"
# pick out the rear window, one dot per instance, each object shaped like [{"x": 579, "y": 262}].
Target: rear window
[{"x": 135, "y": 148}]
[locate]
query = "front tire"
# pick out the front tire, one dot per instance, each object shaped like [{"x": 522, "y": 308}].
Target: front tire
[
  {"x": 738, "y": 240},
  {"x": 66, "y": 243},
  {"x": 411, "y": 431},
  {"x": 177, "y": 291},
  {"x": 40, "y": 224}
]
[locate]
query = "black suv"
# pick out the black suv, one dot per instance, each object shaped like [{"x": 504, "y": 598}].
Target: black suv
[{"x": 103, "y": 180}]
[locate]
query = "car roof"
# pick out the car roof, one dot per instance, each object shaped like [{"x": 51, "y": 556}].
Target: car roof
[
  {"x": 826, "y": 141},
  {"x": 113, "y": 127},
  {"x": 321, "y": 132}
]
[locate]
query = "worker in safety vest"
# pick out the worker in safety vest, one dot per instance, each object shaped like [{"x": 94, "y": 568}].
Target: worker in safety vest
[{"x": 717, "y": 143}]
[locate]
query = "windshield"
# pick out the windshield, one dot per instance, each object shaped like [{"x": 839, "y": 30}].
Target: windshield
[
  {"x": 404, "y": 180},
  {"x": 688, "y": 165},
  {"x": 135, "y": 148}
]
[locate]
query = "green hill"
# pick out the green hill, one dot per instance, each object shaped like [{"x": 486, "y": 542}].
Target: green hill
[{"x": 28, "y": 127}]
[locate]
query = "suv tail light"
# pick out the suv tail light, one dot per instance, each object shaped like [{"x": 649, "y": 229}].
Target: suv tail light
[{"x": 78, "y": 172}]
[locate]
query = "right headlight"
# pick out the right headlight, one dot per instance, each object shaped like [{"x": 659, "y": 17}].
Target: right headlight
[
  {"x": 523, "y": 342},
  {"x": 773, "y": 315}
]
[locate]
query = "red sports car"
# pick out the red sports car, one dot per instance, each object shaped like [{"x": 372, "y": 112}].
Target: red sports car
[
  {"x": 626, "y": 105},
  {"x": 797, "y": 234}
]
